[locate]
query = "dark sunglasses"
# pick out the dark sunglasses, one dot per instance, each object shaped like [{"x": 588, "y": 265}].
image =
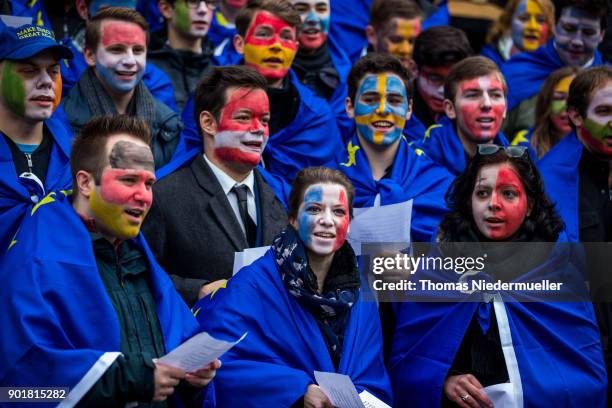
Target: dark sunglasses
[{"x": 511, "y": 151}]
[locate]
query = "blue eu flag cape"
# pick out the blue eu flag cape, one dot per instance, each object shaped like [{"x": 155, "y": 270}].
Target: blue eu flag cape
[
  {"x": 349, "y": 19},
  {"x": 274, "y": 364},
  {"x": 343, "y": 65},
  {"x": 490, "y": 51},
  {"x": 311, "y": 139},
  {"x": 16, "y": 195},
  {"x": 552, "y": 349},
  {"x": 559, "y": 170},
  {"x": 442, "y": 144},
  {"x": 527, "y": 71},
  {"x": 220, "y": 29},
  {"x": 60, "y": 327},
  {"x": 440, "y": 17},
  {"x": 413, "y": 177}
]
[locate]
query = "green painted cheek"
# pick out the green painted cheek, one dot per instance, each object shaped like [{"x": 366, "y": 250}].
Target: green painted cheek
[
  {"x": 558, "y": 106},
  {"x": 183, "y": 16},
  {"x": 599, "y": 132},
  {"x": 13, "y": 89}
]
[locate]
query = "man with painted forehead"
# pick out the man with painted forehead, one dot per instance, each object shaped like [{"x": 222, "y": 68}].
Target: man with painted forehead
[
  {"x": 475, "y": 107},
  {"x": 378, "y": 160},
  {"x": 115, "y": 51},
  {"x": 579, "y": 31},
  {"x": 35, "y": 141}
]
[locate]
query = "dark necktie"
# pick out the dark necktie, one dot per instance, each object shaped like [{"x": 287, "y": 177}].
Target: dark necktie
[{"x": 249, "y": 226}]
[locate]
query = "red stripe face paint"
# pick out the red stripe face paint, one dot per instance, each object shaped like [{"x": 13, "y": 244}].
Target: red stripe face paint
[
  {"x": 480, "y": 106},
  {"x": 270, "y": 45},
  {"x": 243, "y": 127},
  {"x": 596, "y": 131},
  {"x": 499, "y": 201},
  {"x": 120, "y": 32},
  {"x": 430, "y": 85},
  {"x": 323, "y": 219}
]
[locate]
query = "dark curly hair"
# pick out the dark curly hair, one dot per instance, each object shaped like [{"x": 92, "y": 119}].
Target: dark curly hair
[{"x": 543, "y": 219}]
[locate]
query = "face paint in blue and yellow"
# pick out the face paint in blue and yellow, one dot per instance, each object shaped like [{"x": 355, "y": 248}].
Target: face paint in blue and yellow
[{"x": 381, "y": 108}]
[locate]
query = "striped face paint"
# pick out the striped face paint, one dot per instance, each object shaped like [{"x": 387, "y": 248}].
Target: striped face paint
[
  {"x": 243, "y": 127},
  {"x": 499, "y": 201},
  {"x": 315, "y": 22},
  {"x": 121, "y": 56},
  {"x": 596, "y": 131},
  {"x": 270, "y": 45},
  {"x": 381, "y": 108},
  {"x": 323, "y": 218},
  {"x": 577, "y": 36},
  {"x": 124, "y": 196},
  {"x": 32, "y": 88},
  {"x": 397, "y": 38},
  {"x": 480, "y": 106},
  {"x": 529, "y": 26},
  {"x": 558, "y": 107}
]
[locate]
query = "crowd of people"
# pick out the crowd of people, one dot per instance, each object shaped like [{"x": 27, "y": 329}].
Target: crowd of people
[{"x": 146, "y": 142}]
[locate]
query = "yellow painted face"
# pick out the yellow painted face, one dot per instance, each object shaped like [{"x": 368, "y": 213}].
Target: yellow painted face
[
  {"x": 564, "y": 84},
  {"x": 398, "y": 39},
  {"x": 560, "y": 93},
  {"x": 113, "y": 217},
  {"x": 529, "y": 26}
]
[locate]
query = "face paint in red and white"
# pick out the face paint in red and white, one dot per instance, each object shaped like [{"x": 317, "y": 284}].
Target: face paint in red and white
[
  {"x": 323, "y": 218},
  {"x": 270, "y": 45},
  {"x": 596, "y": 131},
  {"x": 121, "y": 56},
  {"x": 499, "y": 201},
  {"x": 243, "y": 127},
  {"x": 32, "y": 88},
  {"x": 480, "y": 107},
  {"x": 124, "y": 196},
  {"x": 430, "y": 85}
]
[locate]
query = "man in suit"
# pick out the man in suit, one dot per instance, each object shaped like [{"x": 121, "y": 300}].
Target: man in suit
[{"x": 219, "y": 203}]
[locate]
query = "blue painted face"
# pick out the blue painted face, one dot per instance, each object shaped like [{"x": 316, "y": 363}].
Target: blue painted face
[
  {"x": 108, "y": 76},
  {"x": 96, "y": 4},
  {"x": 381, "y": 108}
]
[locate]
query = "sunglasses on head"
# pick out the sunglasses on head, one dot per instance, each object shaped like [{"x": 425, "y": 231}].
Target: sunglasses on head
[{"x": 511, "y": 151}]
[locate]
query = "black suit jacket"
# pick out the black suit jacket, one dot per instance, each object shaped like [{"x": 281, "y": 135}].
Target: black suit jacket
[{"x": 193, "y": 230}]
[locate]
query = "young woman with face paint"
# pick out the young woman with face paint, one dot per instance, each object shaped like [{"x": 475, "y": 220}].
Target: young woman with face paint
[
  {"x": 552, "y": 121},
  {"x": 524, "y": 26},
  {"x": 309, "y": 305}
]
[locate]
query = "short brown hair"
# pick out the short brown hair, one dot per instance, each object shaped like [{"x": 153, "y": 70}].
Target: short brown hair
[
  {"x": 377, "y": 63},
  {"x": 88, "y": 148},
  {"x": 315, "y": 175},
  {"x": 283, "y": 9},
  {"x": 440, "y": 46},
  {"x": 92, "y": 32},
  {"x": 584, "y": 86},
  {"x": 210, "y": 92},
  {"x": 504, "y": 22},
  {"x": 384, "y": 10},
  {"x": 469, "y": 68}
]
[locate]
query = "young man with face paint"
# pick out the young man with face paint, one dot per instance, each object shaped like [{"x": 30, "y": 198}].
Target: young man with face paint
[
  {"x": 579, "y": 30},
  {"x": 230, "y": 206},
  {"x": 183, "y": 50},
  {"x": 97, "y": 340},
  {"x": 377, "y": 159},
  {"x": 303, "y": 130},
  {"x": 393, "y": 28},
  {"x": 115, "y": 51},
  {"x": 523, "y": 26},
  {"x": 35, "y": 140},
  {"x": 436, "y": 50},
  {"x": 475, "y": 105}
]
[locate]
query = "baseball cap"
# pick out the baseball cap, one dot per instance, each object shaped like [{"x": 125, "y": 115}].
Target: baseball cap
[{"x": 28, "y": 40}]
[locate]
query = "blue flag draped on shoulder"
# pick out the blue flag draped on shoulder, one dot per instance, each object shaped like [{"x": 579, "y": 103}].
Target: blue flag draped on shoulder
[
  {"x": 413, "y": 177},
  {"x": 527, "y": 71},
  {"x": 559, "y": 169},
  {"x": 17, "y": 195},
  {"x": 490, "y": 51},
  {"x": 60, "y": 328},
  {"x": 442, "y": 144},
  {"x": 275, "y": 363},
  {"x": 552, "y": 349}
]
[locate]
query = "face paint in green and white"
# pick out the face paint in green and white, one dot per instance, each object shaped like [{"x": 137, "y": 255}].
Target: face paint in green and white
[
  {"x": 596, "y": 131},
  {"x": 193, "y": 22}
]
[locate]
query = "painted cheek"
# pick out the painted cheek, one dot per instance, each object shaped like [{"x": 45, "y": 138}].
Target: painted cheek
[
  {"x": 342, "y": 228},
  {"x": 599, "y": 137},
  {"x": 115, "y": 192},
  {"x": 57, "y": 90},
  {"x": 13, "y": 89},
  {"x": 514, "y": 211},
  {"x": 182, "y": 16}
]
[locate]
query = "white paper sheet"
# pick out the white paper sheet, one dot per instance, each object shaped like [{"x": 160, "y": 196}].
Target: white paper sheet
[
  {"x": 247, "y": 257},
  {"x": 371, "y": 401},
  {"x": 502, "y": 395},
  {"x": 387, "y": 223},
  {"x": 198, "y": 352},
  {"x": 339, "y": 389}
]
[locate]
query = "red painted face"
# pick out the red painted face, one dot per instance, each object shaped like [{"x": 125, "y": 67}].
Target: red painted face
[
  {"x": 122, "y": 33},
  {"x": 480, "y": 108},
  {"x": 430, "y": 85},
  {"x": 499, "y": 201},
  {"x": 136, "y": 193},
  {"x": 243, "y": 126}
]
